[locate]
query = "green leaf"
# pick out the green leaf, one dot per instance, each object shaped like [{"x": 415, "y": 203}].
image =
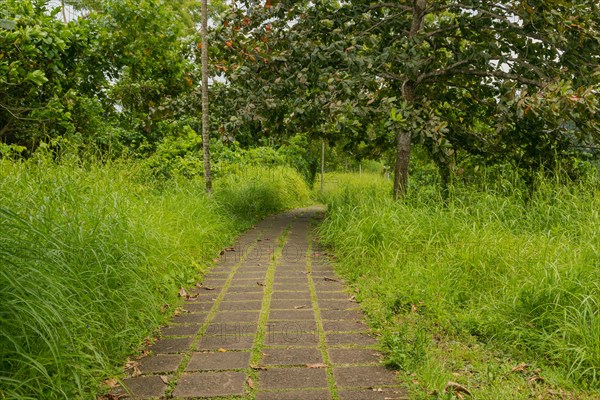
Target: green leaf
[
  {"x": 8, "y": 24},
  {"x": 37, "y": 77}
]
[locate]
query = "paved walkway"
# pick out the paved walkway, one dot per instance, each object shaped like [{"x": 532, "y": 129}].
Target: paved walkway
[{"x": 270, "y": 322}]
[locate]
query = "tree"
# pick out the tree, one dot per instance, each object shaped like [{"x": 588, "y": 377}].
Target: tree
[
  {"x": 38, "y": 73},
  {"x": 448, "y": 68},
  {"x": 487, "y": 50}
]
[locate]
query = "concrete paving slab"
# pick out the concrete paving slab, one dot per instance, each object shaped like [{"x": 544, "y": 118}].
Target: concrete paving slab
[
  {"x": 160, "y": 363},
  {"x": 371, "y": 376},
  {"x": 210, "y": 384},
  {"x": 144, "y": 387},
  {"x": 291, "y": 357},
  {"x": 292, "y": 378},
  {"x": 354, "y": 356},
  {"x": 218, "y": 361},
  {"x": 350, "y": 339},
  {"x": 294, "y": 395},
  {"x": 180, "y": 330},
  {"x": 171, "y": 345},
  {"x": 235, "y": 316}
]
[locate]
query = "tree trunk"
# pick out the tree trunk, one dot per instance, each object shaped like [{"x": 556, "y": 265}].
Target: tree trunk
[
  {"x": 445, "y": 171},
  {"x": 403, "y": 142},
  {"x": 404, "y": 139},
  {"x": 205, "y": 119},
  {"x": 6, "y": 127},
  {"x": 403, "y": 145}
]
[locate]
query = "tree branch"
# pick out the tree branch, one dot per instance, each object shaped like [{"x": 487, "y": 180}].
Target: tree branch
[
  {"x": 440, "y": 72},
  {"x": 532, "y": 67},
  {"x": 501, "y": 75},
  {"x": 6, "y": 127},
  {"x": 390, "y": 5},
  {"x": 393, "y": 77}
]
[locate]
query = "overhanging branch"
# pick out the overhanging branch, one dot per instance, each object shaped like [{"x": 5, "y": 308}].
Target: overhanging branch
[{"x": 501, "y": 75}]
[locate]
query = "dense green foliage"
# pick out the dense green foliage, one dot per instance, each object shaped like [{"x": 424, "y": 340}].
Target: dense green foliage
[
  {"x": 112, "y": 79},
  {"x": 38, "y": 74},
  {"x": 89, "y": 254},
  {"x": 491, "y": 266},
  {"x": 507, "y": 81}
]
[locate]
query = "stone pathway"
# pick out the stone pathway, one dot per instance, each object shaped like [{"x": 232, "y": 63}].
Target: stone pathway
[{"x": 270, "y": 322}]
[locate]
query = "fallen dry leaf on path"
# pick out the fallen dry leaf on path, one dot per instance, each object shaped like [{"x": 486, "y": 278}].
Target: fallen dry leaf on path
[
  {"x": 222, "y": 350},
  {"x": 456, "y": 388},
  {"x": 183, "y": 293},
  {"x": 535, "y": 378},
  {"x": 136, "y": 372},
  {"x": 330, "y": 279},
  {"x": 129, "y": 364},
  {"x": 180, "y": 310},
  {"x": 317, "y": 365},
  {"x": 165, "y": 379},
  {"x": 299, "y": 307},
  {"x": 193, "y": 297},
  {"x": 145, "y": 353},
  {"x": 250, "y": 383},
  {"x": 111, "y": 383},
  {"x": 520, "y": 368}
]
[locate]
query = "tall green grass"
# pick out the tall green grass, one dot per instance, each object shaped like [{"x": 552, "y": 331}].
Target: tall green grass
[
  {"x": 254, "y": 192},
  {"x": 520, "y": 274},
  {"x": 90, "y": 254}
]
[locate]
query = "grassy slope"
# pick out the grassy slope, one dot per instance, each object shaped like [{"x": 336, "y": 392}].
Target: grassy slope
[
  {"x": 88, "y": 257},
  {"x": 466, "y": 293}
]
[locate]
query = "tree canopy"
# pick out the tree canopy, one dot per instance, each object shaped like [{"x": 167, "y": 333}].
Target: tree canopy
[
  {"x": 511, "y": 81},
  {"x": 506, "y": 81}
]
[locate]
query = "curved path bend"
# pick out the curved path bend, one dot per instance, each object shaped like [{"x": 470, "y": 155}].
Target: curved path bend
[{"x": 270, "y": 322}]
